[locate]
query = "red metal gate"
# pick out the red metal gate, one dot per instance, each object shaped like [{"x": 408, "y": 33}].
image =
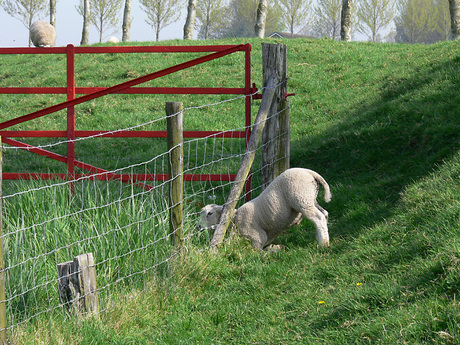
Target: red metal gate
[{"x": 90, "y": 93}]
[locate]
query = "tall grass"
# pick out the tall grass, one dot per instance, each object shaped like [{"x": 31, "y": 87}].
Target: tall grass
[{"x": 126, "y": 228}]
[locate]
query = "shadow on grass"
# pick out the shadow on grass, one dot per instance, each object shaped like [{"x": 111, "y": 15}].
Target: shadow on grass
[
  {"x": 369, "y": 159},
  {"x": 431, "y": 288},
  {"x": 374, "y": 153}
]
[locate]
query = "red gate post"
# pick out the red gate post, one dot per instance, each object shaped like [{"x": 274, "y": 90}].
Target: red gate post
[
  {"x": 247, "y": 87},
  {"x": 71, "y": 113}
]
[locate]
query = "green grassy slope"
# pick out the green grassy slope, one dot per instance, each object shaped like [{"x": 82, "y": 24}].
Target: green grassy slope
[{"x": 381, "y": 122}]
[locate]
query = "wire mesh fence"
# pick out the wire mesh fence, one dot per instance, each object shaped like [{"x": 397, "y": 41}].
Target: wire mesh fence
[{"x": 124, "y": 225}]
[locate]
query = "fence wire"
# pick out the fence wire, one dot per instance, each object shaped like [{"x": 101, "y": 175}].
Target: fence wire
[{"x": 126, "y": 227}]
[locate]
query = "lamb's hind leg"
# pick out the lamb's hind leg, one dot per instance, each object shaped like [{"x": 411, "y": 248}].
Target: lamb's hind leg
[
  {"x": 320, "y": 220},
  {"x": 318, "y": 206}
]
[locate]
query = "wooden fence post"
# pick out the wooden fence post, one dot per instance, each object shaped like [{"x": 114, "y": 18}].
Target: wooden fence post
[
  {"x": 243, "y": 172},
  {"x": 175, "y": 140},
  {"x": 77, "y": 285},
  {"x": 2, "y": 263},
  {"x": 276, "y": 135},
  {"x": 66, "y": 288}
]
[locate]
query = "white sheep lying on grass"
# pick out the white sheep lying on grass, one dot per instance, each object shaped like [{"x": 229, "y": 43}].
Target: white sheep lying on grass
[
  {"x": 42, "y": 34},
  {"x": 281, "y": 205}
]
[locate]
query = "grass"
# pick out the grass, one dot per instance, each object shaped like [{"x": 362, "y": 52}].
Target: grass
[
  {"x": 48, "y": 226},
  {"x": 381, "y": 123}
]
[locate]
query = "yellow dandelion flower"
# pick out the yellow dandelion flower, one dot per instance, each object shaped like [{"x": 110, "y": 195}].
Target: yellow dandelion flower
[
  {"x": 321, "y": 302},
  {"x": 359, "y": 284}
]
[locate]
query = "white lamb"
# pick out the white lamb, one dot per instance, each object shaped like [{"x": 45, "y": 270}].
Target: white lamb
[
  {"x": 281, "y": 205},
  {"x": 42, "y": 34}
]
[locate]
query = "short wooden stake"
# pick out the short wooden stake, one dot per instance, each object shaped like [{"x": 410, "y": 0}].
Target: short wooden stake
[
  {"x": 66, "y": 289},
  {"x": 77, "y": 285},
  {"x": 175, "y": 132}
]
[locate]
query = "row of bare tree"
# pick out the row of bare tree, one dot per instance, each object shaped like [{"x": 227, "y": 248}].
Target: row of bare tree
[
  {"x": 416, "y": 22},
  {"x": 372, "y": 14},
  {"x": 104, "y": 14}
]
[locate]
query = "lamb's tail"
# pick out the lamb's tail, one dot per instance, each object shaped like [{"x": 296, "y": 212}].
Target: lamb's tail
[{"x": 320, "y": 179}]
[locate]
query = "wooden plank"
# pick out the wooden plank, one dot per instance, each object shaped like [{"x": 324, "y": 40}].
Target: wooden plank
[{"x": 246, "y": 164}]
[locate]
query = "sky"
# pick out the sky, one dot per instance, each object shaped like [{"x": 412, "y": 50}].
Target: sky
[{"x": 69, "y": 25}]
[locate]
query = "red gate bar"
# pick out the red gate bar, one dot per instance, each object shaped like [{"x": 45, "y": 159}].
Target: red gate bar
[
  {"x": 120, "y": 134},
  {"x": 123, "y": 49},
  {"x": 120, "y": 177},
  {"x": 95, "y": 170},
  {"x": 134, "y": 90}
]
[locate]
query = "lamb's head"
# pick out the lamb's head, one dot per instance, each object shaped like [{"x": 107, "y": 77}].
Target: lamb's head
[{"x": 209, "y": 216}]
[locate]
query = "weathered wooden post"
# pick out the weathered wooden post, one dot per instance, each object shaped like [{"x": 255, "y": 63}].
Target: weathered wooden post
[
  {"x": 276, "y": 135},
  {"x": 85, "y": 268},
  {"x": 77, "y": 285},
  {"x": 66, "y": 288},
  {"x": 245, "y": 167},
  {"x": 175, "y": 129},
  {"x": 2, "y": 263}
]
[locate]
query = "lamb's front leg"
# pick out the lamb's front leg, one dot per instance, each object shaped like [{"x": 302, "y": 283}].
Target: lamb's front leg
[{"x": 258, "y": 237}]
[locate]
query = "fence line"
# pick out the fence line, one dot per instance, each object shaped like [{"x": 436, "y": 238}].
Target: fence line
[
  {"x": 90, "y": 93},
  {"x": 125, "y": 227},
  {"x": 122, "y": 225},
  {"x": 108, "y": 133}
]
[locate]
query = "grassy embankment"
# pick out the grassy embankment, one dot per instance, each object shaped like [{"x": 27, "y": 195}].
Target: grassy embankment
[{"x": 381, "y": 123}]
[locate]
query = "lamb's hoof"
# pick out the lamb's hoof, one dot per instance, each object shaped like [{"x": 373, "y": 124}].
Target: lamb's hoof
[
  {"x": 324, "y": 244},
  {"x": 274, "y": 248}
]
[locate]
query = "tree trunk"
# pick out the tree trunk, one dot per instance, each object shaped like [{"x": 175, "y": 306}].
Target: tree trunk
[
  {"x": 126, "y": 27},
  {"x": 190, "y": 22},
  {"x": 30, "y": 24},
  {"x": 454, "y": 8},
  {"x": 206, "y": 32},
  {"x": 261, "y": 17},
  {"x": 85, "y": 32},
  {"x": 157, "y": 31},
  {"x": 206, "y": 27},
  {"x": 53, "y": 12},
  {"x": 101, "y": 26},
  {"x": 345, "y": 25}
]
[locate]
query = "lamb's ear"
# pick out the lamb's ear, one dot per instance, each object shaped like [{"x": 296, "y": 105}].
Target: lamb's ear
[
  {"x": 219, "y": 209},
  {"x": 213, "y": 208}
]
